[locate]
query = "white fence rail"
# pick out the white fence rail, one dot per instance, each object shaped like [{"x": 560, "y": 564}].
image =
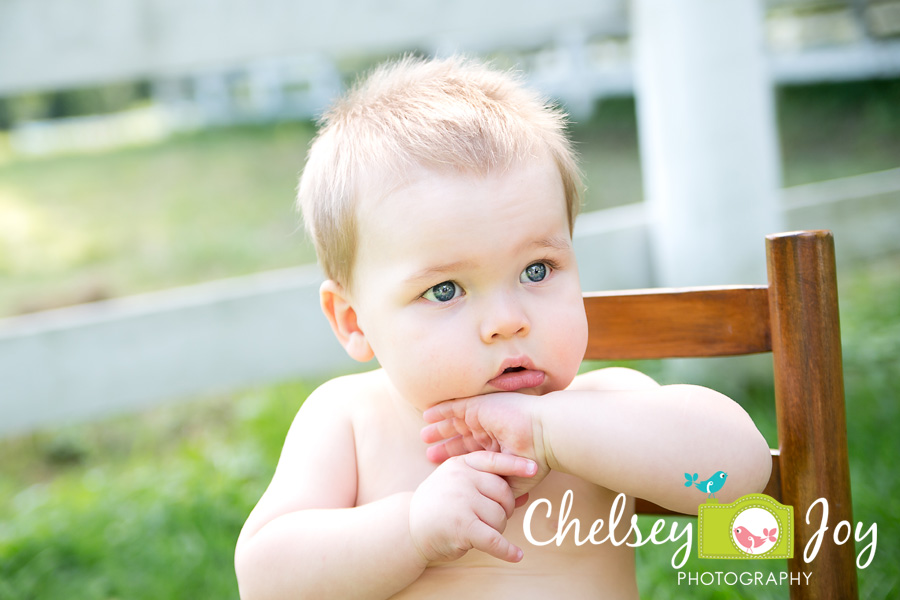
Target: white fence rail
[
  {"x": 252, "y": 59},
  {"x": 47, "y": 44},
  {"x": 94, "y": 360},
  {"x": 126, "y": 354}
]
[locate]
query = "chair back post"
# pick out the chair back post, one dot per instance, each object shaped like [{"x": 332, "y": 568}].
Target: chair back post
[{"x": 809, "y": 401}]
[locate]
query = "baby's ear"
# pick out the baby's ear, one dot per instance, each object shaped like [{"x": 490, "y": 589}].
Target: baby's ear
[{"x": 340, "y": 314}]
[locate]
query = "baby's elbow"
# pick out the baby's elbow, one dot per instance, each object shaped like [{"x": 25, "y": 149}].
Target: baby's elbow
[
  {"x": 242, "y": 571},
  {"x": 754, "y": 455},
  {"x": 251, "y": 585},
  {"x": 761, "y": 465},
  {"x": 750, "y": 452},
  {"x": 754, "y": 466}
]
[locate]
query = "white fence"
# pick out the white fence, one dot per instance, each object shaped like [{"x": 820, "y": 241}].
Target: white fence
[
  {"x": 237, "y": 59},
  {"x": 90, "y": 361},
  {"x": 48, "y": 44},
  {"x": 52, "y": 44}
]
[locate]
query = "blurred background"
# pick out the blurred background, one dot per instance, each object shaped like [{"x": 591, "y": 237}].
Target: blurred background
[{"x": 159, "y": 322}]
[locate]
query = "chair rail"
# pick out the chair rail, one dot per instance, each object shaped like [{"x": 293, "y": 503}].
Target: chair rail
[{"x": 677, "y": 323}]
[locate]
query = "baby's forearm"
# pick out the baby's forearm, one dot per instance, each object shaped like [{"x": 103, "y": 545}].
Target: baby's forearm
[
  {"x": 362, "y": 552},
  {"x": 642, "y": 442}
]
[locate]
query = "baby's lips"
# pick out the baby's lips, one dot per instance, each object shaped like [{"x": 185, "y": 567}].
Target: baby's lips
[{"x": 518, "y": 380}]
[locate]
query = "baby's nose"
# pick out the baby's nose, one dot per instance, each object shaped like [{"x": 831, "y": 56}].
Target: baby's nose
[{"x": 505, "y": 318}]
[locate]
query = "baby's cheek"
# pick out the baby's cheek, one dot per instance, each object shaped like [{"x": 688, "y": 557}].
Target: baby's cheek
[
  {"x": 569, "y": 343},
  {"x": 440, "y": 374},
  {"x": 456, "y": 373}
]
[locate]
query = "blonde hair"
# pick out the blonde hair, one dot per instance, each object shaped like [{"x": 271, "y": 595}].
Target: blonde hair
[{"x": 453, "y": 113}]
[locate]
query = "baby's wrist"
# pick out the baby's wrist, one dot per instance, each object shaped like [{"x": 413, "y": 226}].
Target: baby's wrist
[
  {"x": 542, "y": 429},
  {"x": 414, "y": 533}
]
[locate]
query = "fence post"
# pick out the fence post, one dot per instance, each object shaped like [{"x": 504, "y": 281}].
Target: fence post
[{"x": 708, "y": 139}]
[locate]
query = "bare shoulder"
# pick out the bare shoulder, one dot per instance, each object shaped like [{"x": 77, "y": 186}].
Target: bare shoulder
[
  {"x": 318, "y": 465},
  {"x": 325, "y": 421},
  {"x": 613, "y": 378},
  {"x": 342, "y": 396}
]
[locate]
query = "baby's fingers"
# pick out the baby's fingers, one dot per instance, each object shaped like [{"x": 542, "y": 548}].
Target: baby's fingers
[
  {"x": 446, "y": 410},
  {"x": 498, "y": 463},
  {"x": 488, "y": 540},
  {"x": 441, "y": 452},
  {"x": 457, "y": 446},
  {"x": 441, "y": 430}
]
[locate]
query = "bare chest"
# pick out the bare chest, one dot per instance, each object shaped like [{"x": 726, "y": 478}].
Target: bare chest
[
  {"x": 391, "y": 459},
  {"x": 390, "y": 455}
]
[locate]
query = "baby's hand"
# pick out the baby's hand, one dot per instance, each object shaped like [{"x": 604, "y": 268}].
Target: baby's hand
[
  {"x": 501, "y": 422},
  {"x": 465, "y": 504}
]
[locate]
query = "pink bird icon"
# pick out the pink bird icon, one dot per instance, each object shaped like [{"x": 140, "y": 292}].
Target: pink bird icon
[{"x": 750, "y": 541}]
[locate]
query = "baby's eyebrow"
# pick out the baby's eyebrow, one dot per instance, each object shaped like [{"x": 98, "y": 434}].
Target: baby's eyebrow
[
  {"x": 432, "y": 273},
  {"x": 554, "y": 242}
]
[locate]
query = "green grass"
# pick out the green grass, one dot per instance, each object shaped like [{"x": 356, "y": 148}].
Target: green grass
[
  {"x": 141, "y": 507},
  {"x": 195, "y": 208}
]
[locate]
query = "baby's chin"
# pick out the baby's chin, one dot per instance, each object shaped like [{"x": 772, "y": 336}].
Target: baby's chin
[
  {"x": 425, "y": 399},
  {"x": 546, "y": 388}
]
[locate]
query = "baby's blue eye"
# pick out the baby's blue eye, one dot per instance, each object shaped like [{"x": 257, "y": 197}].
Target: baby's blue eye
[
  {"x": 534, "y": 273},
  {"x": 442, "y": 292}
]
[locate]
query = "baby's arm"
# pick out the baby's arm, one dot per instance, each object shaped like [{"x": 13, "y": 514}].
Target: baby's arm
[
  {"x": 638, "y": 440},
  {"x": 306, "y": 537},
  {"x": 302, "y": 537}
]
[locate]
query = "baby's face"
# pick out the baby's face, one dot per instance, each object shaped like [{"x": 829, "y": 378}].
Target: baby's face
[{"x": 467, "y": 284}]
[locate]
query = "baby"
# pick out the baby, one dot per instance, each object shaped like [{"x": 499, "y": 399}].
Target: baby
[{"x": 441, "y": 197}]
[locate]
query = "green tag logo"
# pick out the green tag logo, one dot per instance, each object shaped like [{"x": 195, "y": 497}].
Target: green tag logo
[{"x": 754, "y": 526}]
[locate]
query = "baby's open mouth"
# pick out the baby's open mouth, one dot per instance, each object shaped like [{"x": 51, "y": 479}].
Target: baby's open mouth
[{"x": 518, "y": 377}]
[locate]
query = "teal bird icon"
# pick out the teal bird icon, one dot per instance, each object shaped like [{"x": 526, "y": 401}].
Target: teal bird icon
[{"x": 710, "y": 486}]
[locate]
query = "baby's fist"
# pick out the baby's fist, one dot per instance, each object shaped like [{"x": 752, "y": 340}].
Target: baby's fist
[{"x": 465, "y": 504}]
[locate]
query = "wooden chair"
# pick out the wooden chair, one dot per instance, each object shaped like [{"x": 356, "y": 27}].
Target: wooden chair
[{"x": 795, "y": 318}]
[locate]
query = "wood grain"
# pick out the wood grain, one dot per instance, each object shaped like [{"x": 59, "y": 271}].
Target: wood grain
[
  {"x": 641, "y": 324},
  {"x": 809, "y": 402}
]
